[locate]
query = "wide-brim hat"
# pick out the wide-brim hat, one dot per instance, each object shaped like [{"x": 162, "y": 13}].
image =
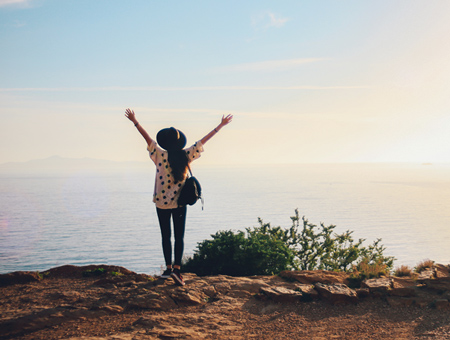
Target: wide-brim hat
[{"x": 171, "y": 138}]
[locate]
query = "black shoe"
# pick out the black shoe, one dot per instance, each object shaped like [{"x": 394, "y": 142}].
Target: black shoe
[
  {"x": 176, "y": 275},
  {"x": 166, "y": 273}
]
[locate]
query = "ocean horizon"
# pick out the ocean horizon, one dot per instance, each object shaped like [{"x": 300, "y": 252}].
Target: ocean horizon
[{"x": 97, "y": 215}]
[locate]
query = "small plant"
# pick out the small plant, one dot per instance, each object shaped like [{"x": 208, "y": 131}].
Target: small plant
[
  {"x": 95, "y": 272},
  {"x": 116, "y": 274},
  {"x": 403, "y": 271},
  {"x": 367, "y": 269},
  {"x": 424, "y": 265}
]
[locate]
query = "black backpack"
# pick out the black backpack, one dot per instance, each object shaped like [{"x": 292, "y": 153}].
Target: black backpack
[{"x": 191, "y": 191}]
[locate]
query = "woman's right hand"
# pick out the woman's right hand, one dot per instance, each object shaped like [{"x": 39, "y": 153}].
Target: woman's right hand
[
  {"x": 130, "y": 115},
  {"x": 226, "y": 120}
]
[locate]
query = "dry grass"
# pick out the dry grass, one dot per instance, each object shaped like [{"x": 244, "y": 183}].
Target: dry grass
[
  {"x": 424, "y": 265},
  {"x": 368, "y": 270},
  {"x": 403, "y": 271}
]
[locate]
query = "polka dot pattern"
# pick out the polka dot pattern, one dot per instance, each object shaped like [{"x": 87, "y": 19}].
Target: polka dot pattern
[{"x": 167, "y": 189}]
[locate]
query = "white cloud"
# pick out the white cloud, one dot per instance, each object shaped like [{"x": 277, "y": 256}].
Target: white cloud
[
  {"x": 22, "y": 3},
  {"x": 267, "y": 19}
]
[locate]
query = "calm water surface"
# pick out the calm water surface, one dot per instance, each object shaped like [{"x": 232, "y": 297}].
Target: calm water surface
[{"x": 108, "y": 218}]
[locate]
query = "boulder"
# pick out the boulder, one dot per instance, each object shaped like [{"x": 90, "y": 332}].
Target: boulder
[
  {"x": 280, "y": 294},
  {"x": 426, "y": 274},
  {"x": 314, "y": 276},
  {"x": 403, "y": 287},
  {"x": 245, "y": 287},
  {"x": 70, "y": 271},
  {"x": 378, "y": 285},
  {"x": 441, "y": 270},
  {"x": 336, "y": 293},
  {"x": 308, "y": 292},
  {"x": 20, "y": 277},
  {"x": 402, "y": 282},
  {"x": 439, "y": 285}
]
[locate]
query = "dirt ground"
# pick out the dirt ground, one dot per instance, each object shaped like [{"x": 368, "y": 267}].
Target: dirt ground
[{"x": 89, "y": 308}]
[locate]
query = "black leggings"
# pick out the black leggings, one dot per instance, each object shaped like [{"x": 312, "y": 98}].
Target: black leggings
[{"x": 179, "y": 222}]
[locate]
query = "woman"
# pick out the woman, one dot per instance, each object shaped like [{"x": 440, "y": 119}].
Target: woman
[{"x": 172, "y": 160}]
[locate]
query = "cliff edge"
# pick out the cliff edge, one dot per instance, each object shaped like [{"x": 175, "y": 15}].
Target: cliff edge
[{"x": 109, "y": 302}]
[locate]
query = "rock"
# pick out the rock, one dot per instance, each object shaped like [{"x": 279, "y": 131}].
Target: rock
[
  {"x": 113, "y": 309},
  {"x": 426, "y": 274},
  {"x": 440, "y": 285},
  {"x": 280, "y": 294},
  {"x": 245, "y": 287},
  {"x": 404, "y": 287},
  {"x": 188, "y": 296},
  {"x": 308, "y": 292},
  {"x": 20, "y": 277},
  {"x": 441, "y": 270},
  {"x": 69, "y": 271},
  {"x": 336, "y": 293},
  {"x": 314, "y": 276},
  {"x": 377, "y": 285},
  {"x": 403, "y": 292},
  {"x": 401, "y": 282}
]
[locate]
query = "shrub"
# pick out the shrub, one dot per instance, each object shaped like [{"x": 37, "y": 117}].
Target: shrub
[
  {"x": 320, "y": 248},
  {"x": 240, "y": 254},
  {"x": 370, "y": 270},
  {"x": 403, "y": 271},
  {"x": 367, "y": 269},
  {"x": 424, "y": 265},
  {"x": 266, "y": 250}
]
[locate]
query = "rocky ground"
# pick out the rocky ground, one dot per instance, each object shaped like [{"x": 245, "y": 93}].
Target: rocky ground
[{"x": 108, "y": 302}]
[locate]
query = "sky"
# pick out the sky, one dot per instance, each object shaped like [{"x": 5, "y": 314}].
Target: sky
[{"x": 306, "y": 81}]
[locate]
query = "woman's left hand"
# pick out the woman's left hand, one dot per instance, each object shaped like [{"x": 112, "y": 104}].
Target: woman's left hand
[{"x": 130, "y": 115}]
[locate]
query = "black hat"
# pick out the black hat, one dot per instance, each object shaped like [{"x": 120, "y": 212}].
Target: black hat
[{"x": 171, "y": 138}]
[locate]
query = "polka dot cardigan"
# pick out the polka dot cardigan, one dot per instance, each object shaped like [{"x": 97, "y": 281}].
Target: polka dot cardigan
[{"x": 166, "y": 192}]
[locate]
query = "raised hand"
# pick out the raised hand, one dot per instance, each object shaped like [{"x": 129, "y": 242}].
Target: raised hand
[
  {"x": 226, "y": 120},
  {"x": 130, "y": 115}
]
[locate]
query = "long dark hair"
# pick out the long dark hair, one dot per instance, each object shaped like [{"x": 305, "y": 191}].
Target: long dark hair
[{"x": 178, "y": 161}]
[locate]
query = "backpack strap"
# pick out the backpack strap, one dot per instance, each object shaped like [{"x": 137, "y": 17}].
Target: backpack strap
[
  {"x": 190, "y": 171},
  {"x": 201, "y": 196}
]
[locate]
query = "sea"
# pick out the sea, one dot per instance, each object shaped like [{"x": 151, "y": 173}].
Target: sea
[{"x": 83, "y": 217}]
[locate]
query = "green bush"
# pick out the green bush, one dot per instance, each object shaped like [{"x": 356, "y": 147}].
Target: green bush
[
  {"x": 240, "y": 254},
  {"x": 264, "y": 250}
]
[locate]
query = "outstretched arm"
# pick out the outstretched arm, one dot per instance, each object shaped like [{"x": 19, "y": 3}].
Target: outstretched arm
[
  {"x": 225, "y": 120},
  {"x": 131, "y": 116}
]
